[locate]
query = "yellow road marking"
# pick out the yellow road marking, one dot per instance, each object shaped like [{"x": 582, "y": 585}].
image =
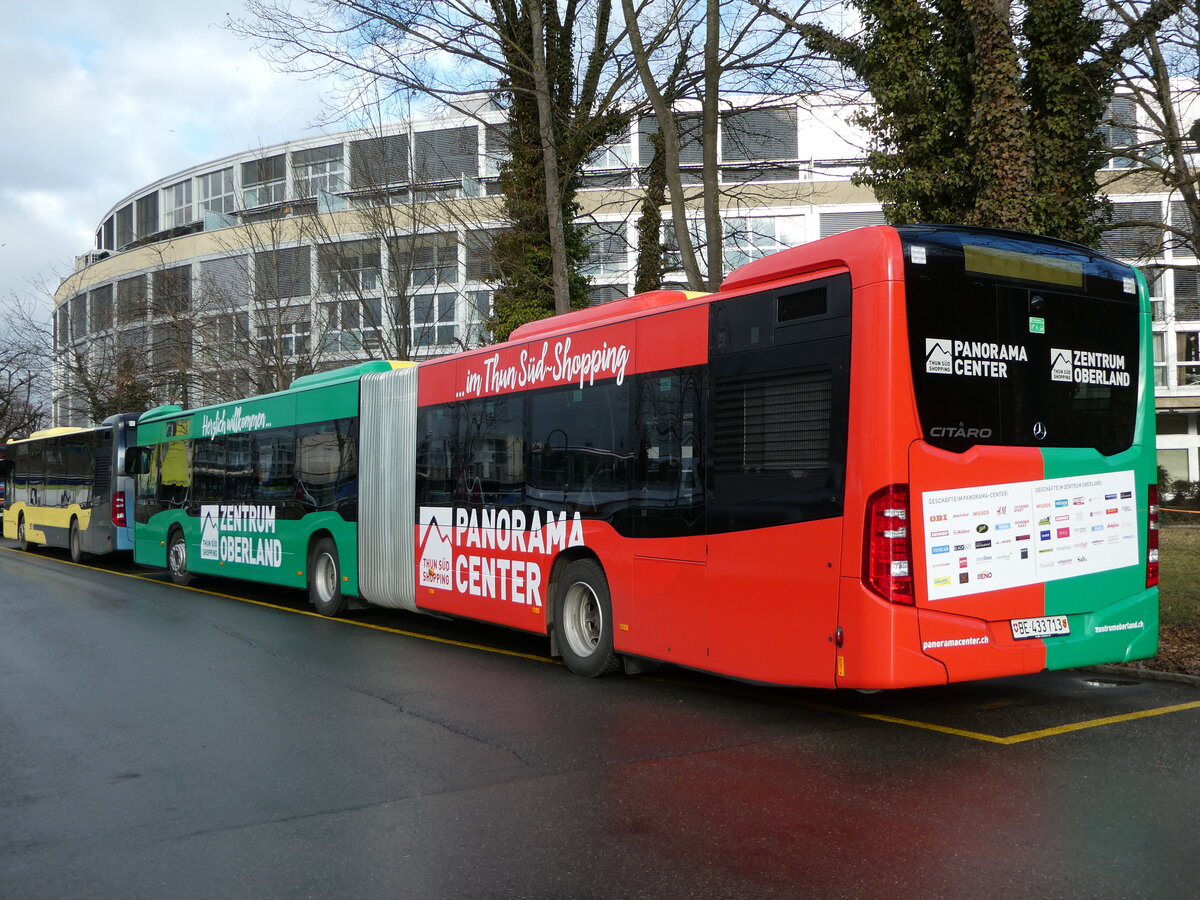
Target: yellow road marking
[
  {"x": 315, "y": 615},
  {"x": 805, "y": 704},
  {"x": 1003, "y": 739}
]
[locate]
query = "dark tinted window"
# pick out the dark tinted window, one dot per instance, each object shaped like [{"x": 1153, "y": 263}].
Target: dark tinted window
[
  {"x": 327, "y": 467},
  {"x": 779, "y": 384},
  {"x": 436, "y": 452},
  {"x": 581, "y": 448},
  {"x": 491, "y": 467},
  {"x": 668, "y": 495},
  {"x": 999, "y": 357}
]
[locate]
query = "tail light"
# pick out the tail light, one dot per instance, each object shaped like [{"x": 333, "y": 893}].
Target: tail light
[
  {"x": 1152, "y": 537},
  {"x": 887, "y": 545},
  {"x": 118, "y": 510}
]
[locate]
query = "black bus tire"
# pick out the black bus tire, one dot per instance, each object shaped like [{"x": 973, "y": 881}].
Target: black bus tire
[
  {"x": 23, "y": 543},
  {"x": 75, "y": 543},
  {"x": 583, "y": 620},
  {"x": 325, "y": 579},
  {"x": 177, "y": 558}
]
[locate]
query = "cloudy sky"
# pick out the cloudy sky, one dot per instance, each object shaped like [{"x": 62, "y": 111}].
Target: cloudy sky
[{"x": 103, "y": 98}]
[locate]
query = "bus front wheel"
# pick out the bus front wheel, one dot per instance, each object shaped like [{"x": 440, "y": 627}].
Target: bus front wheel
[
  {"x": 325, "y": 579},
  {"x": 583, "y": 620},
  {"x": 76, "y": 543},
  {"x": 177, "y": 562}
]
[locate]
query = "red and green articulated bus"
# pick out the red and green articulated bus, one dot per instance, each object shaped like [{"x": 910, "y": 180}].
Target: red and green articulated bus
[{"x": 894, "y": 457}]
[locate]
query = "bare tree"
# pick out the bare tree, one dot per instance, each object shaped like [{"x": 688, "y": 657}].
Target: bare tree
[
  {"x": 690, "y": 55},
  {"x": 1154, "y": 125},
  {"x": 24, "y": 375},
  {"x": 557, "y": 69}
]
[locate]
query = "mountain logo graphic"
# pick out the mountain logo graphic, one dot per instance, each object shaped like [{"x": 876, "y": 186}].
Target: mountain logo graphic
[
  {"x": 939, "y": 356},
  {"x": 436, "y": 547},
  {"x": 1060, "y": 365},
  {"x": 210, "y": 532}
]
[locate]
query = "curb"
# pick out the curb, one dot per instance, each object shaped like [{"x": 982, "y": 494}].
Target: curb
[{"x": 1147, "y": 674}]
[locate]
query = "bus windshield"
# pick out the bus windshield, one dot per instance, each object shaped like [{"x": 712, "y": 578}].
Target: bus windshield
[{"x": 1018, "y": 343}]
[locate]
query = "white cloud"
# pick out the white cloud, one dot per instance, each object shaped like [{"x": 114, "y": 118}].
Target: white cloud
[{"x": 103, "y": 99}]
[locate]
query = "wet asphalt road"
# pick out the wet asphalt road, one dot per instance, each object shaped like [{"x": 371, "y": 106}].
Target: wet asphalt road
[{"x": 159, "y": 742}]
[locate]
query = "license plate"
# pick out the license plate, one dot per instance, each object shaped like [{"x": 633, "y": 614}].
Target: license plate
[{"x": 1046, "y": 626}]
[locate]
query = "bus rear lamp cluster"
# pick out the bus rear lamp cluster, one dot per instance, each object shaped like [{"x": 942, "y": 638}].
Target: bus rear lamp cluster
[
  {"x": 887, "y": 545},
  {"x": 118, "y": 510},
  {"x": 1152, "y": 537}
]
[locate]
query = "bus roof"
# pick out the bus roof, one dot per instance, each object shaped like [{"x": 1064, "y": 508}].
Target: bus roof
[
  {"x": 340, "y": 375},
  {"x": 52, "y": 432}
]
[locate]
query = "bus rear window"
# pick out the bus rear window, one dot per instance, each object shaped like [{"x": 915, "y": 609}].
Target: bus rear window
[{"x": 1010, "y": 350}]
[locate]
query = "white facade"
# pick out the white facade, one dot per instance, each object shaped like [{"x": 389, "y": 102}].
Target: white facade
[{"x": 305, "y": 216}]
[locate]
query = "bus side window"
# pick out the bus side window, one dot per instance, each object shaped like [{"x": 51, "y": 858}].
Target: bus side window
[
  {"x": 582, "y": 448},
  {"x": 147, "y": 500},
  {"x": 492, "y": 465},
  {"x": 275, "y": 471},
  {"x": 435, "y": 454},
  {"x": 346, "y": 497},
  {"x": 669, "y": 473}
]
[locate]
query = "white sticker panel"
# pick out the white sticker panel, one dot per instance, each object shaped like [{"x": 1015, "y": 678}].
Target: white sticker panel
[{"x": 1005, "y": 535}]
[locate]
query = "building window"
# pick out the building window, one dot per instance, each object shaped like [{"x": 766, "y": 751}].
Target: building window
[
  {"x": 171, "y": 346},
  {"x": 495, "y": 149},
  {"x": 285, "y": 339},
  {"x": 125, "y": 226},
  {"x": 380, "y": 161},
  {"x": 753, "y": 237},
  {"x": 479, "y": 257},
  {"x": 836, "y": 223},
  {"x": 423, "y": 259},
  {"x": 479, "y": 310},
  {"x": 101, "y": 308},
  {"x": 282, "y": 273},
  {"x": 1160, "y": 359},
  {"x": 79, "y": 317},
  {"x": 172, "y": 291},
  {"x": 216, "y": 192},
  {"x": 1171, "y": 423},
  {"x": 348, "y": 267},
  {"x": 1186, "y": 283},
  {"x": 319, "y": 169},
  {"x": 1119, "y": 130},
  {"x": 147, "y": 215},
  {"x": 1176, "y": 464},
  {"x": 1187, "y": 356},
  {"x": 612, "y": 156},
  {"x": 264, "y": 181},
  {"x": 224, "y": 282},
  {"x": 131, "y": 299},
  {"x": 446, "y": 154},
  {"x": 433, "y": 320},
  {"x": 177, "y": 204},
  {"x": 608, "y": 250},
  {"x": 1136, "y": 230},
  {"x": 351, "y": 325}
]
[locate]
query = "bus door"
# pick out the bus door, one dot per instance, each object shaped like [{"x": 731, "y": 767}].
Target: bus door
[
  {"x": 777, "y": 419},
  {"x": 1017, "y": 478},
  {"x": 671, "y": 614}
]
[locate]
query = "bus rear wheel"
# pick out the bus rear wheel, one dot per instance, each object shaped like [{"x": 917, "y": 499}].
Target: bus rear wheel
[
  {"x": 583, "y": 620},
  {"x": 23, "y": 542},
  {"x": 76, "y": 543},
  {"x": 325, "y": 579},
  {"x": 177, "y": 559}
]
